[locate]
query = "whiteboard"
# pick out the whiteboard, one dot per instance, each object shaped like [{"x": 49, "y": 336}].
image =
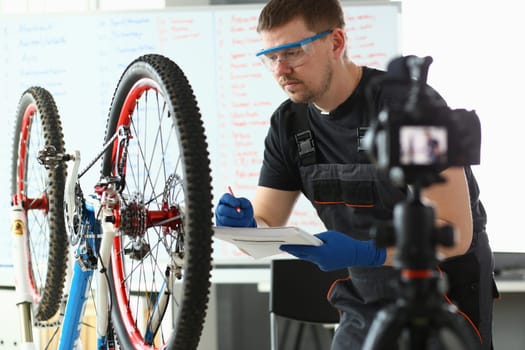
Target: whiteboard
[{"x": 79, "y": 59}]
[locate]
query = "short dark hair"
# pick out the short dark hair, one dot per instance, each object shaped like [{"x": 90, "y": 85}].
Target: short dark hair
[{"x": 319, "y": 15}]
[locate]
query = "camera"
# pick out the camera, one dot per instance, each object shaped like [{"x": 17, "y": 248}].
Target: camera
[{"x": 416, "y": 133}]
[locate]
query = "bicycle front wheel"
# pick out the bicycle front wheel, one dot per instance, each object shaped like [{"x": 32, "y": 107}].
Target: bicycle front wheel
[
  {"x": 40, "y": 191},
  {"x": 161, "y": 258}
]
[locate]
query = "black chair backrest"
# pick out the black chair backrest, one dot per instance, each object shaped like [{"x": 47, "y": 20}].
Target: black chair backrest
[{"x": 299, "y": 289}]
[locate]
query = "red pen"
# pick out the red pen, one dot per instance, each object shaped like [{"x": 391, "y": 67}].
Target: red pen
[{"x": 231, "y": 192}]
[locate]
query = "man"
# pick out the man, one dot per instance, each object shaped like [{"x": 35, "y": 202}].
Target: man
[{"x": 312, "y": 148}]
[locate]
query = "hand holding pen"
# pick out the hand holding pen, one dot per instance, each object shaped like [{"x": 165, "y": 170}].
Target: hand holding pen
[
  {"x": 234, "y": 211},
  {"x": 231, "y": 192}
]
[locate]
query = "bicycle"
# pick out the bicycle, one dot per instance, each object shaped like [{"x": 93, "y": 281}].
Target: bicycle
[{"x": 145, "y": 233}]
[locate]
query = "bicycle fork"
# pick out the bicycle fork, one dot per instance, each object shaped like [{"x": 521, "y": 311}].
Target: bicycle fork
[{"x": 24, "y": 296}]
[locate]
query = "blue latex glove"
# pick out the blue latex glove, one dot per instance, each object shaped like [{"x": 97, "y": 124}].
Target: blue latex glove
[
  {"x": 234, "y": 212},
  {"x": 338, "y": 251}
]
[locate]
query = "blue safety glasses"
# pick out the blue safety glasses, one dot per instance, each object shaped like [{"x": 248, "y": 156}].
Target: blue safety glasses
[{"x": 292, "y": 54}]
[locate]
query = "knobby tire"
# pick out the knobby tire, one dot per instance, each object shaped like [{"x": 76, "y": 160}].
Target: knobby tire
[{"x": 167, "y": 166}]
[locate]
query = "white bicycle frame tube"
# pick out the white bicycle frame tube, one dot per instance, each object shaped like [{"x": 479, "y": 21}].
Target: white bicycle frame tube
[
  {"x": 69, "y": 200},
  {"x": 69, "y": 190},
  {"x": 108, "y": 233}
]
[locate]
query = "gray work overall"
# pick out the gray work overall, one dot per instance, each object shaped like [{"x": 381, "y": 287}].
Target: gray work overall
[{"x": 349, "y": 198}]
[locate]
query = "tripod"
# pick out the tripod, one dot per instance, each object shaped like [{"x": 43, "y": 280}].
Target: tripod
[{"x": 420, "y": 319}]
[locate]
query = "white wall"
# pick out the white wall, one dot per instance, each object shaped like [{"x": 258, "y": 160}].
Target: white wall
[{"x": 478, "y": 54}]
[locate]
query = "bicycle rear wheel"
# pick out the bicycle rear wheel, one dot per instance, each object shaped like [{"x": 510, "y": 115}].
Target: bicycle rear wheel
[
  {"x": 161, "y": 258},
  {"x": 39, "y": 190}
]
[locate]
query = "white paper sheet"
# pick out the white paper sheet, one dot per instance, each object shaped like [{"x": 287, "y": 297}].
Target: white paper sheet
[{"x": 264, "y": 242}]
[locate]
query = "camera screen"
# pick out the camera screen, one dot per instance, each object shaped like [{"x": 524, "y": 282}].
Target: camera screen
[{"x": 422, "y": 145}]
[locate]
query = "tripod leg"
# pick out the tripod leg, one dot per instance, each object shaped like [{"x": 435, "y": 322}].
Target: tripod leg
[
  {"x": 299, "y": 336},
  {"x": 393, "y": 329},
  {"x": 454, "y": 331},
  {"x": 386, "y": 329}
]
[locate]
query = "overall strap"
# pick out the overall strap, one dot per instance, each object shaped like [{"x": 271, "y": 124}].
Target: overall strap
[{"x": 302, "y": 134}]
